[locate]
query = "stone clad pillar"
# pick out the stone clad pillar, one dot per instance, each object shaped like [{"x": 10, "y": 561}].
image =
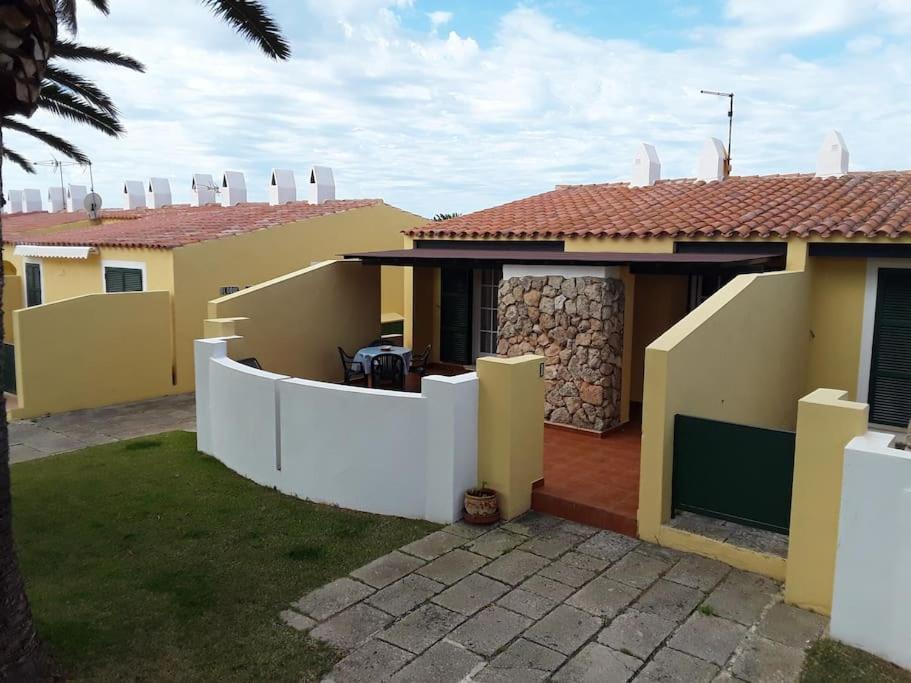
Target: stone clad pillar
[{"x": 576, "y": 323}]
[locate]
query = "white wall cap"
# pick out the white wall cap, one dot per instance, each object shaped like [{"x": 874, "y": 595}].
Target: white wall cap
[
  {"x": 711, "y": 161},
  {"x": 833, "y": 157},
  {"x": 646, "y": 166}
]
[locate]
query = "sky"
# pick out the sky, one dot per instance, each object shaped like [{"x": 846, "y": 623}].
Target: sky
[{"x": 445, "y": 105}]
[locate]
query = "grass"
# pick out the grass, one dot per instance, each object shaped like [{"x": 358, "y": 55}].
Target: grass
[
  {"x": 707, "y": 609},
  {"x": 829, "y": 661},
  {"x": 148, "y": 561}
]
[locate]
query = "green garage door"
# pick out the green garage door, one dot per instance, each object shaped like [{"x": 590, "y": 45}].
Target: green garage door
[{"x": 890, "y": 364}]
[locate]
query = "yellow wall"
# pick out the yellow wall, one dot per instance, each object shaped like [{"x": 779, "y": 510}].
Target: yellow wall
[
  {"x": 660, "y": 302},
  {"x": 739, "y": 357},
  {"x": 836, "y": 319},
  {"x": 510, "y": 429},
  {"x": 296, "y": 321},
  {"x": 93, "y": 350},
  {"x": 255, "y": 257},
  {"x": 825, "y": 425},
  {"x": 13, "y": 295}
]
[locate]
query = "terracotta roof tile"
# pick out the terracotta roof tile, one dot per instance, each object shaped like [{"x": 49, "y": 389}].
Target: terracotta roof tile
[
  {"x": 163, "y": 228},
  {"x": 857, "y": 204}
]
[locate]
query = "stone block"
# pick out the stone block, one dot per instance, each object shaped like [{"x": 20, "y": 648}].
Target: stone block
[
  {"x": 523, "y": 661},
  {"x": 707, "y": 637},
  {"x": 387, "y": 569},
  {"x": 791, "y": 625},
  {"x": 405, "y": 594},
  {"x": 636, "y": 633},
  {"x": 742, "y": 596},
  {"x": 698, "y": 572},
  {"x": 567, "y": 573},
  {"x": 564, "y": 630},
  {"x": 495, "y": 543},
  {"x": 527, "y": 603},
  {"x": 422, "y": 628},
  {"x": 550, "y": 544},
  {"x": 452, "y": 566},
  {"x": 471, "y": 594},
  {"x": 763, "y": 660},
  {"x": 596, "y": 663},
  {"x": 433, "y": 545},
  {"x": 637, "y": 570},
  {"x": 372, "y": 662},
  {"x": 490, "y": 630},
  {"x": 604, "y": 597},
  {"x": 332, "y": 598},
  {"x": 514, "y": 567},
  {"x": 349, "y": 629},
  {"x": 607, "y": 545},
  {"x": 669, "y": 600},
  {"x": 442, "y": 663},
  {"x": 670, "y": 665}
]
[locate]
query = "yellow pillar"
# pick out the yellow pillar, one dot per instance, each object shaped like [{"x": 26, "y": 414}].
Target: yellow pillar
[
  {"x": 511, "y": 428},
  {"x": 825, "y": 425}
]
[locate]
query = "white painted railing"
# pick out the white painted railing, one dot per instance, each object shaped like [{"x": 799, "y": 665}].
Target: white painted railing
[
  {"x": 393, "y": 453},
  {"x": 871, "y": 603}
]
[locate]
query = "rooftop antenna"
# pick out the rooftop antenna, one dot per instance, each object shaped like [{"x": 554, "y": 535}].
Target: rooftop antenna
[
  {"x": 730, "y": 96},
  {"x": 58, "y": 165}
]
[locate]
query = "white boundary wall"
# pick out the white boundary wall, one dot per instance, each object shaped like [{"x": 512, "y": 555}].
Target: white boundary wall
[
  {"x": 871, "y": 601},
  {"x": 387, "y": 452}
]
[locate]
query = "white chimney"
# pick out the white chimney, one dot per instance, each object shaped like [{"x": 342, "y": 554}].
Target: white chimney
[
  {"x": 14, "y": 201},
  {"x": 833, "y": 156},
  {"x": 56, "y": 201},
  {"x": 322, "y": 185},
  {"x": 646, "y": 166},
  {"x": 711, "y": 161},
  {"x": 134, "y": 196},
  {"x": 233, "y": 188},
  {"x": 158, "y": 193},
  {"x": 282, "y": 188},
  {"x": 75, "y": 197},
  {"x": 31, "y": 200},
  {"x": 203, "y": 189}
]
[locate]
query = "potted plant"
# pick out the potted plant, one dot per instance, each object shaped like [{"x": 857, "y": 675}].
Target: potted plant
[{"x": 481, "y": 505}]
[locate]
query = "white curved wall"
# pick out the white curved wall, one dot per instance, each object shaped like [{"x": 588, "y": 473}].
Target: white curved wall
[{"x": 394, "y": 453}]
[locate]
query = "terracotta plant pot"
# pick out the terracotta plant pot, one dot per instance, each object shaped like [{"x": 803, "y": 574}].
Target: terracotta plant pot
[{"x": 481, "y": 506}]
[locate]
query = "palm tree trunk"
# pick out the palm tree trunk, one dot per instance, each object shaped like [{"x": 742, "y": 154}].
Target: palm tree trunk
[
  {"x": 21, "y": 656},
  {"x": 28, "y": 29}
]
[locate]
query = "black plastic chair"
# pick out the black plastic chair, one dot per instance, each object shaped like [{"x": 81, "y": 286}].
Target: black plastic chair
[
  {"x": 251, "y": 362},
  {"x": 354, "y": 371},
  {"x": 387, "y": 371},
  {"x": 419, "y": 362}
]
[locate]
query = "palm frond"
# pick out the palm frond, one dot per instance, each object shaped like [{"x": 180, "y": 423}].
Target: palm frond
[
  {"x": 49, "y": 139},
  {"x": 250, "y": 19},
  {"x": 63, "y": 103},
  {"x": 67, "y": 49},
  {"x": 18, "y": 159},
  {"x": 66, "y": 11},
  {"x": 80, "y": 86}
]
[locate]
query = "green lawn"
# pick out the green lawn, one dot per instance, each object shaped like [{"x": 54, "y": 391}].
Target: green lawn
[
  {"x": 829, "y": 661},
  {"x": 148, "y": 561}
]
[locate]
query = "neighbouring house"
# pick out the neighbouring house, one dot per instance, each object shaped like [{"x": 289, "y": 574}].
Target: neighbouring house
[{"x": 103, "y": 311}]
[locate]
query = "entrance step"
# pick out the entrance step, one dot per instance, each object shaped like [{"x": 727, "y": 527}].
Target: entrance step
[{"x": 559, "y": 505}]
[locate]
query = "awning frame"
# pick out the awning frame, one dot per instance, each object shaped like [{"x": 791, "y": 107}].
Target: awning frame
[{"x": 52, "y": 251}]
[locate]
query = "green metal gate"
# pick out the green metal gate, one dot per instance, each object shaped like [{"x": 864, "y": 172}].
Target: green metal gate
[
  {"x": 735, "y": 472},
  {"x": 8, "y": 368}
]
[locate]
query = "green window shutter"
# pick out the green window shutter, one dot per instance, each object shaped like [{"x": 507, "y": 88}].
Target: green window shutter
[
  {"x": 890, "y": 366},
  {"x": 122, "y": 280},
  {"x": 33, "y": 294}
]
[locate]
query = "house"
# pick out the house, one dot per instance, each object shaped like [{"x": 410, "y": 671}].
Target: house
[{"x": 76, "y": 346}]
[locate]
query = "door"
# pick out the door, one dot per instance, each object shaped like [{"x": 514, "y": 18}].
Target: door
[
  {"x": 455, "y": 315},
  {"x": 33, "y": 294},
  {"x": 488, "y": 309},
  {"x": 890, "y": 364}
]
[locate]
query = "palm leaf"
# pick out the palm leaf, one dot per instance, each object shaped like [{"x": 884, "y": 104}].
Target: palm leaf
[
  {"x": 81, "y": 87},
  {"x": 63, "y": 103},
  {"x": 67, "y": 49},
  {"x": 250, "y": 19},
  {"x": 18, "y": 159},
  {"x": 48, "y": 139},
  {"x": 66, "y": 11}
]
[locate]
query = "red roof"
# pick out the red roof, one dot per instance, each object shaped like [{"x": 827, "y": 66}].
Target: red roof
[
  {"x": 165, "y": 228},
  {"x": 856, "y": 204}
]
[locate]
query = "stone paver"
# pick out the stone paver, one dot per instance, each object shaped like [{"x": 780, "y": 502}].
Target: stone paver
[
  {"x": 762, "y": 660},
  {"x": 596, "y": 663},
  {"x": 468, "y": 531},
  {"x": 708, "y": 637},
  {"x": 471, "y": 594},
  {"x": 489, "y": 630},
  {"x": 522, "y": 661},
  {"x": 636, "y": 633},
  {"x": 387, "y": 569},
  {"x": 564, "y": 630},
  {"x": 422, "y": 628},
  {"x": 65, "y": 432},
  {"x": 452, "y": 566},
  {"x": 544, "y": 599}
]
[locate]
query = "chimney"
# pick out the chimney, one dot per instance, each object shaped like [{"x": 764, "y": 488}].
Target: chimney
[
  {"x": 712, "y": 161},
  {"x": 158, "y": 193},
  {"x": 233, "y": 188},
  {"x": 833, "y": 156},
  {"x": 31, "y": 200},
  {"x": 55, "y": 200},
  {"x": 203, "y": 189},
  {"x": 322, "y": 185},
  {"x": 75, "y": 197},
  {"x": 646, "y": 166},
  {"x": 282, "y": 188},
  {"x": 14, "y": 201},
  {"x": 134, "y": 196}
]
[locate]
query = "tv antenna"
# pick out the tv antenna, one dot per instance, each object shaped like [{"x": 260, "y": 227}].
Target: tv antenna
[
  {"x": 58, "y": 165},
  {"x": 730, "y": 96}
]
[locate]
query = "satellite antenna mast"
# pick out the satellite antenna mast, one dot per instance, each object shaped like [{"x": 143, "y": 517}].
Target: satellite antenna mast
[{"x": 730, "y": 96}]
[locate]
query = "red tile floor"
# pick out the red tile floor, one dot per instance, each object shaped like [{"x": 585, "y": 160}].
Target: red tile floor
[{"x": 590, "y": 479}]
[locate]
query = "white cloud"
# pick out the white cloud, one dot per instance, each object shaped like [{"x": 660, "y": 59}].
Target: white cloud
[
  {"x": 439, "y": 18},
  {"x": 446, "y": 123}
]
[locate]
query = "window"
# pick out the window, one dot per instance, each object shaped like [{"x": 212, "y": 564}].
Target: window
[
  {"x": 34, "y": 296},
  {"x": 118, "y": 279},
  {"x": 703, "y": 286},
  {"x": 490, "y": 284}
]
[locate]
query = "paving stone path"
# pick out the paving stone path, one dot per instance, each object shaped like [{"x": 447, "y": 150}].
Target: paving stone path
[
  {"x": 43, "y": 436},
  {"x": 542, "y": 598}
]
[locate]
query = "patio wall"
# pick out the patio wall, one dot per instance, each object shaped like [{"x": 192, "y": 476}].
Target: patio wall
[{"x": 410, "y": 455}]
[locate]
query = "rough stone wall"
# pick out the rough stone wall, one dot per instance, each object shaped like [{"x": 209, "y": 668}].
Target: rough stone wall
[{"x": 577, "y": 325}]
